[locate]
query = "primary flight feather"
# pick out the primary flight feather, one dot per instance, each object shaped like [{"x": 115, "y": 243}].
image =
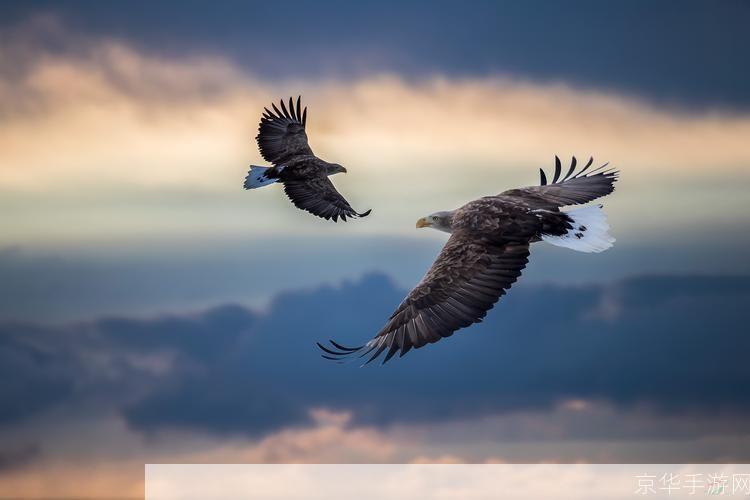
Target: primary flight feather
[
  {"x": 485, "y": 254},
  {"x": 282, "y": 140}
]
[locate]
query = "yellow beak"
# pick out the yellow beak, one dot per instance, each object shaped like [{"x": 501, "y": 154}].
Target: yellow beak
[{"x": 423, "y": 223}]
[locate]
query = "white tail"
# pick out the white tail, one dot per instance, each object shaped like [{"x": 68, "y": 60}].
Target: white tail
[
  {"x": 256, "y": 177},
  {"x": 590, "y": 232}
]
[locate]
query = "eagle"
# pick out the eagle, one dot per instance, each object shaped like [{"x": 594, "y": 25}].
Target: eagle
[
  {"x": 485, "y": 254},
  {"x": 283, "y": 142}
]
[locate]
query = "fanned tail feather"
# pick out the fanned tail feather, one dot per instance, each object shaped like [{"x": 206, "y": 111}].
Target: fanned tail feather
[
  {"x": 590, "y": 231},
  {"x": 258, "y": 177}
]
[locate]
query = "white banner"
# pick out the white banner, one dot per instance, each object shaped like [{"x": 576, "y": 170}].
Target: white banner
[{"x": 445, "y": 482}]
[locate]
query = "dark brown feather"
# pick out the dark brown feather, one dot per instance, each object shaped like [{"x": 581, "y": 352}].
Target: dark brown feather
[
  {"x": 464, "y": 282},
  {"x": 316, "y": 194},
  {"x": 571, "y": 190},
  {"x": 281, "y": 134}
]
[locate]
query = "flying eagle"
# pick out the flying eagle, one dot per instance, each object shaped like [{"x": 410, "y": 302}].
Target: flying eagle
[
  {"x": 282, "y": 141},
  {"x": 485, "y": 254}
]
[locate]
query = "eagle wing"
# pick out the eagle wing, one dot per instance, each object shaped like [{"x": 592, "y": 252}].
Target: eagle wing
[
  {"x": 317, "y": 195},
  {"x": 281, "y": 133},
  {"x": 464, "y": 282},
  {"x": 573, "y": 189}
]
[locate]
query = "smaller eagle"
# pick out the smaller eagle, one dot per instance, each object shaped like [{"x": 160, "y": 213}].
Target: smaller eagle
[
  {"x": 485, "y": 254},
  {"x": 282, "y": 141}
]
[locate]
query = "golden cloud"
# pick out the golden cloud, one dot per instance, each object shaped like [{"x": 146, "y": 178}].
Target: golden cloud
[
  {"x": 120, "y": 116},
  {"x": 108, "y": 141}
]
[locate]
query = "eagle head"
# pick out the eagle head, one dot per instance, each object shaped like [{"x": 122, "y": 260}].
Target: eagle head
[{"x": 442, "y": 221}]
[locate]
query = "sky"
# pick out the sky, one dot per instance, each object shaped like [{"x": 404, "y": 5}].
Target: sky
[{"x": 151, "y": 303}]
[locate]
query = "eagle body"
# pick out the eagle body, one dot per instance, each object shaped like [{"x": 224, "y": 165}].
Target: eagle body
[
  {"x": 502, "y": 219},
  {"x": 485, "y": 254},
  {"x": 302, "y": 167}
]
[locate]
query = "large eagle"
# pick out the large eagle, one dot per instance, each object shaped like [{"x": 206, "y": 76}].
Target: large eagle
[
  {"x": 282, "y": 141},
  {"x": 485, "y": 254}
]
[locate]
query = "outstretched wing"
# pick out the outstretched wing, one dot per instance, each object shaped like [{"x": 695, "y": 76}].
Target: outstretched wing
[
  {"x": 318, "y": 196},
  {"x": 572, "y": 189},
  {"x": 464, "y": 282},
  {"x": 281, "y": 133}
]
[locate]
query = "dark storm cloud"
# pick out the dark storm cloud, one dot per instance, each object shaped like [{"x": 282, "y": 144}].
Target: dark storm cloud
[
  {"x": 36, "y": 372},
  {"x": 690, "y": 52},
  {"x": 677, "y": 344}
]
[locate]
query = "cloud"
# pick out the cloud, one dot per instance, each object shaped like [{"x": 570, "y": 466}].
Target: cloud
[
  {"x": 330, "y": 440},
  {"x": 114, "y": 454},
  {"x": 67, "y": 467},
  {"x": 233, "y": 372},
  {"x": 660, "y": 53},
  {"x": 129, "y": 143},
  {"x": 45, "y": 369},
  {"x": 661, "y": 377},
  {"x": 131, "y": 111}
]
